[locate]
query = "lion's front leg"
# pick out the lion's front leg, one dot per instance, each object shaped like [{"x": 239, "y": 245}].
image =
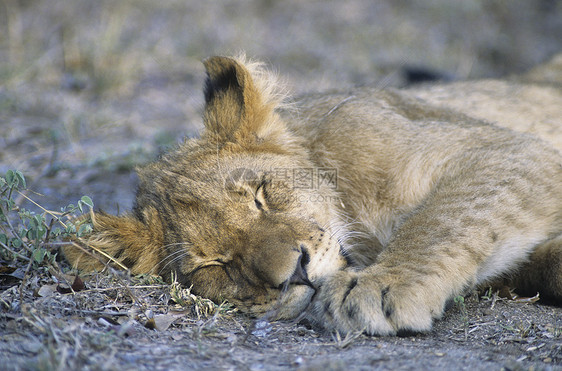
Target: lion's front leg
[
  {"x": 428, "y": 261},
  {"x": 380, "y": 301},
  {"x": 462, "y": 235}
]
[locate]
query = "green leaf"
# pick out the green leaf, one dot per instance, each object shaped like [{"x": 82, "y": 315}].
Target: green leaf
[
  {"x": 41, "y": 231},
  {"x": 88, "y": 201},
  {"x": 11, "y": 204},
  {"x": 3, "y": 238},
  {"x": 10, "y": 177},
  {"x": 36, "y": 221},
  {"x": 21, "y": 179},
  {"x": 84, "y": 228},
  {"x": 38, "y": 255}
]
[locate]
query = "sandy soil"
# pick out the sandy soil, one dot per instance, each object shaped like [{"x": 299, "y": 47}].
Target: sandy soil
[{"x": 89, "y": 90}]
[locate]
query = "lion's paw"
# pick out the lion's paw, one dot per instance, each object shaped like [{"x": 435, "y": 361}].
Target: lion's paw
[{"x": 376, "y": 304}]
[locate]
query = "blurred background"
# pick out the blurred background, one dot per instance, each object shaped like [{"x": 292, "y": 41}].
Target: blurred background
[{"x": 91, "y": 89}]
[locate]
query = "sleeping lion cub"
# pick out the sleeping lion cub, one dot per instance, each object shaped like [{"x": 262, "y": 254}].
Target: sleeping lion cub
[{"x": 367, "y": 209}]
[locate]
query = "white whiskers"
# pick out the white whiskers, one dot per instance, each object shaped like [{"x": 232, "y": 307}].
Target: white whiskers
[{"x": 174, "y": 256}]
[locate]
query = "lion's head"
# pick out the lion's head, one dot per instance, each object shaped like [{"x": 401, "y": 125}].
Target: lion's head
[{"x": 238, "y": 213}]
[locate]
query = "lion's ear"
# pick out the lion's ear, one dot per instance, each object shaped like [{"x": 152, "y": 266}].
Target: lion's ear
[{"x": 239, "y": 102}]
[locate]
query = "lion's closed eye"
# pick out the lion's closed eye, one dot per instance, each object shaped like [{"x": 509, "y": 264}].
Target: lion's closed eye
[
  {"x": 210, "y": 264},
  {"x": 260, "y": 199},
  {"x": 239, "y": 194}
]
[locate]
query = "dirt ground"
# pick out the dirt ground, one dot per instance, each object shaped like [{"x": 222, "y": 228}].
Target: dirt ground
[
  {"x": 101, "y": 328},
  {"x": 89, "y": 90}
]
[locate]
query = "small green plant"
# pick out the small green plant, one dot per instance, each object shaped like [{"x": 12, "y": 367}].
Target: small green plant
[
  {"x": 26, "y": 235},
  {"x": 459, "y": 302},
  {"x": 488, "y": 294}
]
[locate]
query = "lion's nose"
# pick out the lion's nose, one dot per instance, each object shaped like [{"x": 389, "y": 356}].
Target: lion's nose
[{"x": 300, "y": 277}]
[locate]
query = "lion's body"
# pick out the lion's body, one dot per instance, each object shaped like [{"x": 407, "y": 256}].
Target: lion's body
[{"x": 421, "y": 196}]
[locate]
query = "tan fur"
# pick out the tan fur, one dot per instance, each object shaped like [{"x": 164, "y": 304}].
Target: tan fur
[{"x": 430, "y": 201}]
